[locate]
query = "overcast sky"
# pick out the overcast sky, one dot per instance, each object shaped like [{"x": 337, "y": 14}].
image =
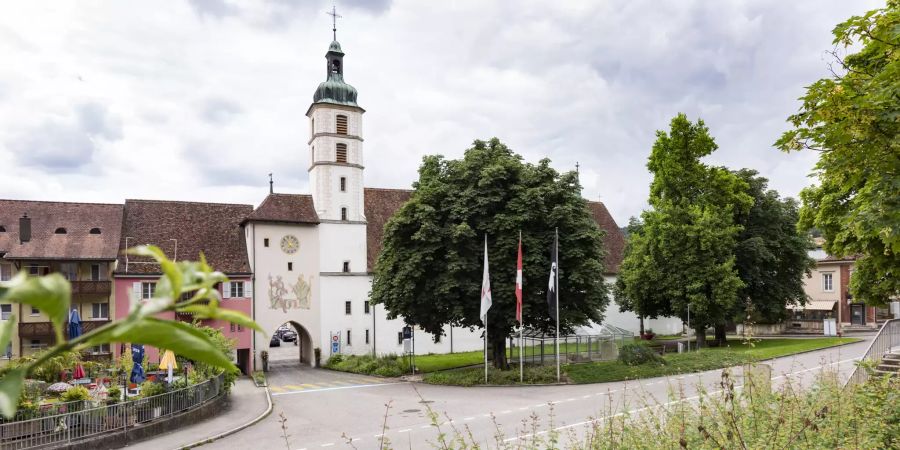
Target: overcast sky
[{"x": 201, "y": 99}]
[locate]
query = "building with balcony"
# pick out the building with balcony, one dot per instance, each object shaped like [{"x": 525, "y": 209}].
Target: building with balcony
[
  {"x": 79, "y": 241},
  {"x": 184, "y": 230}
]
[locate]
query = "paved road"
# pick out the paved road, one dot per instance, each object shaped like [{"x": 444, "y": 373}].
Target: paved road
[{"x": 330, "y": 416}]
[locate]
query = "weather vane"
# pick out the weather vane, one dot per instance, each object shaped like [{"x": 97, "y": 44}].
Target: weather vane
[{"x": 334, "y": 17}]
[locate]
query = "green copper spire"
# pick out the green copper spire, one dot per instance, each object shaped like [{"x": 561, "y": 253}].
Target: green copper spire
[{"x": 334, "y": 89}]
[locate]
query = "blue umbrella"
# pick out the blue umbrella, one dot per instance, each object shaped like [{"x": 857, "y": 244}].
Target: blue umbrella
[
  {"x": 137, "y": 357},
  {"x": 74, "y": 324}
]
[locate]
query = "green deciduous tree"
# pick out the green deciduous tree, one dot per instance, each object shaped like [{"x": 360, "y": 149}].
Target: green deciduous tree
[
  {"x": 852, "y": 118},
  {"x": 430, "y": 268},
  {"x": 771, "y": 253},
  {"x": 683, "y": 254}
]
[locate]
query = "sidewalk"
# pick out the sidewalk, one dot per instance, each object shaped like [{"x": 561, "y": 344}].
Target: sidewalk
[{"x": 245, "y": 403}]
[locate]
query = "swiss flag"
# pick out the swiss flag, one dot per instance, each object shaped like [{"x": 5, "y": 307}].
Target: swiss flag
[{"x": 519, "y": 284}]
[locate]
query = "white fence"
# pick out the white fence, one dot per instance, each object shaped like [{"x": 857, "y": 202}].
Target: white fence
[{"x": 53, "y": 430}]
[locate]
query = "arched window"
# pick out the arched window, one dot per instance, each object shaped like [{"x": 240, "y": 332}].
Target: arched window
[
  {"x": 343, "y": 213},
  {"x": 94, "y": 231},
  {"x": 340, "y": 154},
  {"x": 60, "y": 230},
  {"x": 341, "y": 124}
]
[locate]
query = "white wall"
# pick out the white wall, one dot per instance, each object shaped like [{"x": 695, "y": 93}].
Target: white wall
[{"x": 630, "y": 321}]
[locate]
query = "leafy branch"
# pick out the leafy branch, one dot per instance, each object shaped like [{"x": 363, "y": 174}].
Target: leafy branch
[{"x": 184, "y": 286}]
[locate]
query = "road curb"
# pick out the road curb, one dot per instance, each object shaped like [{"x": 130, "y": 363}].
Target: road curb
[
  {"x": 633, "y": 379},
  {"x": 236, "y": 429}
]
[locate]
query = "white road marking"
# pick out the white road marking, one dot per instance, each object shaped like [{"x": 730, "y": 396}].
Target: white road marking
[
  {"x": 407, "y": 430},
  {"x": 425, "y": 426},
  {"x": 469, "y": 418},
  {"x": 585, "y": 396},
  {"x": 523, "y": 408},
  {"x": 377, "y": 436},
  {"x": 505, "y": 412},
  {"x": 570, "y": 399},
  {"x": 328, "y": 444},
  {"x": 310, "y": 391},
  {"x": 539, "y": 405}
]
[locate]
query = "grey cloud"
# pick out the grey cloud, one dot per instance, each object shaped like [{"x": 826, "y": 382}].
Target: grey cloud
[
  {"x": 219, "y": 110},
  {"x": 95, "y": 120},
  {"x": 214, "y": 8},
  {"x": 67, "y": 144}
]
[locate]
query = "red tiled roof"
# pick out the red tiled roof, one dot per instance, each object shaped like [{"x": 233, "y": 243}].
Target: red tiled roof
[
  {"x": 285, "y": 208},
  {"x": 76, "y": 218},
  {"x": 211, "y": 228},
  {"x": 381, "y": 204},
  {"x": 613, "y": 241}
]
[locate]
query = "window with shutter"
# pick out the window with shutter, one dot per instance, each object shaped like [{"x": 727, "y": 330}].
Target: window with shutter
[
  {"x": 226, "y": 290},
  {"x": 341, "y": 124},
  {"x": 340, "y": 154}
]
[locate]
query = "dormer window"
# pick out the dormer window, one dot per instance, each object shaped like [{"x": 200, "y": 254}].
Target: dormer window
[
  {"x": 340, "y": 154},
  {"x": 94, "y": 231},
  {"x": 341, "y": 124},
  {"x": 60, "y": 230}
]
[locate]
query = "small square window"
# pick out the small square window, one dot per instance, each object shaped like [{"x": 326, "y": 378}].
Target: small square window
[
  {"x": 35, "y": 344},
  {"x": 5, "y": 311},
  {"x": 348, "y": 307},
  {"x": 367, "y": 336},
  {"x": 290, "y": 266},
  {"x": 348, "y": 338},
  {"x": 399, "y": 338},
  {"x": 266, "y": 242},
  {"x": 346, "y": 268},
  {"x": 366, "y": 307},
  {"x": 343, "y": 213},
  {"x": 5, "y": 272},
  {"x": 148, "y": 289},
  {"x": 343, "y": 184},
  {"x": 95, "y": 272},
  {"x": 237, "y": 289},
  {"x": 35, "y": 311},
  {"x": 100, "y": 311}
]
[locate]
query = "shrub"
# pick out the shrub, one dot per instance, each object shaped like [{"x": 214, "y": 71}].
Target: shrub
[
  {"x": 75, "y": 394},
  {"x": 151, "y": 388},
  {"x": 386, "y": 365},
  {"x": 113, "y": 395},
  {"x": 636, "y": 355}
]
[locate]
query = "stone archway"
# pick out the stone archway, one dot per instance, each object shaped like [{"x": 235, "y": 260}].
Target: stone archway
[{"x": 290, "y": 346}]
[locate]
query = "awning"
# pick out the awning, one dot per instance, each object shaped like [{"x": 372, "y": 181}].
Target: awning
[{"x": 817, "y": 305}]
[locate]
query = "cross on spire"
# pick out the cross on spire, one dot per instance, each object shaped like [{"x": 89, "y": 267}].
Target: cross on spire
[{"x": 334, "y": 17}]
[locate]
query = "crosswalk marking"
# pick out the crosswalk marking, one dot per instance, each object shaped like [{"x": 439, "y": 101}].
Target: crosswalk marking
[{"x": 324, "y": 385}]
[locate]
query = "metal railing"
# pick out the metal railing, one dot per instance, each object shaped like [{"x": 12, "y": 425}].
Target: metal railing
[
  {"x": 53, "y": 430},
  {"x": 574, "y": 348},
  {"x": 887, "y": 338}
]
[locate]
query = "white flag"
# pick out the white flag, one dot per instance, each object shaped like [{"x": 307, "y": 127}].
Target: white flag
[{"x": 485, "y": 286}]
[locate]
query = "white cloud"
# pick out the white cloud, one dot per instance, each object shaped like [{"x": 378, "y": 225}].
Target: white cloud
[{"x": 202, "y": 99}]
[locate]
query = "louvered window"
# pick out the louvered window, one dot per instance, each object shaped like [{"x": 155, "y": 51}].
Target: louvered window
[
  {"x": 341, "y": 153},
  {"x": 341, "y": 124}
]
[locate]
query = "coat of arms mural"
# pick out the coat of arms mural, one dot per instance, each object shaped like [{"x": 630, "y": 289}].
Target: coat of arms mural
[{"x": 292, "y": 296}]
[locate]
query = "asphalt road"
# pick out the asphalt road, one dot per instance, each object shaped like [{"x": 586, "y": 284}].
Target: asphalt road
[{"x": 328, "y": 409}]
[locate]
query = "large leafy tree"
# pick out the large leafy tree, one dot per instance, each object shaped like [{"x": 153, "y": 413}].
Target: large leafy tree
[
  {"x": 430, "y": 268},
  {"x": 852, "y": 119},
  {"x": 682, "y": 255},
  {"x": 771, "y": 253}
]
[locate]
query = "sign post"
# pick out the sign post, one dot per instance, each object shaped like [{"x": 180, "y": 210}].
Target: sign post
[{"x": 335, "y": 343}]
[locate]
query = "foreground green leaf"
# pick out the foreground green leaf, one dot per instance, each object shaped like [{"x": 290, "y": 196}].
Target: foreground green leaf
[
  {"x": 6, "y": 330},
  {"x": 229, "y": 315},
  {"x": 181, "y": 338},
  {"x": 50, "y": 293},
  {"x": 10, "y": 389}
]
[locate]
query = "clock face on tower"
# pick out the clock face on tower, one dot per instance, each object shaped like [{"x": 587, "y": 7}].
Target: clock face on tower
[{"x": 290, "y": 244}]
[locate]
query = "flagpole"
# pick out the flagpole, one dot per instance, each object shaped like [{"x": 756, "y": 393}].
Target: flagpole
[
  {"x": 485, "y": 317},
  {"x": 521, "y": 321},
  {"x": 556, "y": 251}
]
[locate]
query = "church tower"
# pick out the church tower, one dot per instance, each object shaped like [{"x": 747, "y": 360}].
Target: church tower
[{"x": 335, "y": 145}]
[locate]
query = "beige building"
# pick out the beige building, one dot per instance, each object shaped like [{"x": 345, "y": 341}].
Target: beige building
[{"x": 77, "y": 240}]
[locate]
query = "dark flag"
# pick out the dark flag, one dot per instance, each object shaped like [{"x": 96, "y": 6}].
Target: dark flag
[{"x": 553, "y": 289}]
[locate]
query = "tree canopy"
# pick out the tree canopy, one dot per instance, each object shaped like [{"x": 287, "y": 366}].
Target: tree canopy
[
  {"x": 682, "y": 254},
  {"x": 430, "y": 268},
  {"x": 771, "y": 254},
  {"x": 852, "y": 119}
]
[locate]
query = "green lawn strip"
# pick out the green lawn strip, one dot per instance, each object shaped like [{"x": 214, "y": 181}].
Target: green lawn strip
[
  {"x": 735, "y": 353},
  {"x": 436, "y": 362}
]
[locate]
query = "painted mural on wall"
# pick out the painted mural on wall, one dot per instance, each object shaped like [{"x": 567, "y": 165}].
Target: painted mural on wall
[{"x": 290, "y": 296}]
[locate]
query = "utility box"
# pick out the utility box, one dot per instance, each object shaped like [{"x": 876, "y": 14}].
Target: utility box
[{"x": 830, "y": 327}]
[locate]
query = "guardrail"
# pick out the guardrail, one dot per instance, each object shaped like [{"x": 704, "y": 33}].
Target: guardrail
[
  {"x": 887, "y": 338},
  {"x": 74, "y": 426}
]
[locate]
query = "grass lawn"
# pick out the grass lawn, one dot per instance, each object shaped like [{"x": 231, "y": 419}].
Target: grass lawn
[
  {"x": 433, "y": 362},
  {"x": 735, "y": 353}
]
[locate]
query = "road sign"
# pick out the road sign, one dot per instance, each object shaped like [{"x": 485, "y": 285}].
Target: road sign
[
  {"x": 407, "y": 332},
  {"x": 335, "y": 343}
]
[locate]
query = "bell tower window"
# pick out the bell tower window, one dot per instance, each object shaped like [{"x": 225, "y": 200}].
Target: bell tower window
[
  {"x": 340, "y": 154},
  {"x": 343, "y": 184},
  {"x": 336, "y": 66},
  {"x": 341, "y": 122}
]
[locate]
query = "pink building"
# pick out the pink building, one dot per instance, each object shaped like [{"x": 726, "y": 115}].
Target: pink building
[{"x": 184, "y": 230}]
